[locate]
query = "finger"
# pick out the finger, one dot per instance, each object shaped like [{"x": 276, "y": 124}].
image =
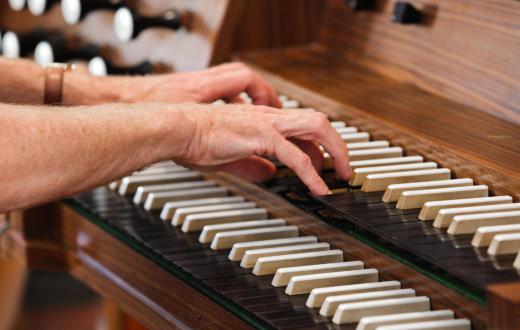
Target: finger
[
  {"x": 294, "y": 158},
  {"x": 313, "y": 151},
  {"x": 254, "y": 168},
  {"x": 315, "y": 126},
  {"x": 228, "y": 80}
]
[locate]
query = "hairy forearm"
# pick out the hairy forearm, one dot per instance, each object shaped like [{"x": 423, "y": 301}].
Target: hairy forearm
[
  {"x": 51, "y": 153},
  {"x": 23, "y": 83}
]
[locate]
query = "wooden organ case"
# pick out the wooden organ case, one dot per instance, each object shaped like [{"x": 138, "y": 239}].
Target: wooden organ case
[{"x": 436, "y": 78}]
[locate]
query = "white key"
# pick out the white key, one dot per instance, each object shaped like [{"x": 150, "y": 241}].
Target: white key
[
  {"x": 209, "y": 232},
  {"x": 290, "y": 104},
  {"x": 516, "y": 264},
  {"x": 445, "y": 216},
  {"x": 394, "y": 191},
  {"x": 330, "y": 305},
  {"x": 239, "y": 249},
  {"x": 468, "y": 224},
  {"x": 142, "y": 192},
  {"x": 169, "y": 208},
  {"x": 114, "y": 185},
  {"x": 353, "y": 312},
  {"x": 250, "y": 257},
  {"x": 458, "y": 324},
  {"x": 305, "y": 283},
  {"x": 355, "y": 137},
  {"x": 372, "y": 322},
  {"x": 162, "y": 170},
  {"x": 358, "y": 155},
  {"x": 195, "y": 222},
  {"x": 284, "y": 275},
  {"x": 368, "y": 145},
  {"x": 219, "y": 103},
  {"x": 359, "y": 175},
  {"x": 430, "y": 209},
  {"x": 338, "y": 124},
  {"x": 346, "y": 130},
  {"x": 504, "y": 244},
  {"x": 156, "y": 200},
  {"x": 181, "y": 213},
  {"x": 318, "y": 295},
  {"x": 225, "y": 240},
  {"x": 269, "y": 265},
  {"x": 379, "y": 182},
  {"x": 484, "y": 235},
  {"x": 129, "y": 184},
  {"x": 386, "y": 161},
  {"x": 416, "y": 199}
]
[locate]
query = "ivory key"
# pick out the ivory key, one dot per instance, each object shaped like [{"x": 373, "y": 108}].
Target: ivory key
[
  {"x": 318, "y": 295},
  {"x": 181, "y": 213},
  {"x": 142, "y": 192},
  {"x": 269, "y": 265},
  {"x": 195, "y": 222},
  {"x": 373, "y": 322},
  {"x": 129, "y": 184},
  {"x": 346, "y": 130},
  {"x": 379, "y": 182},
  {"x": 338, "y": 124},
  {"x": 356, "y": 137},
  {"x": 284, "y": 275},
  {"x": 430, "y": 209},
  {"x": 225, "y": 240},
  {"x": 305, "y": 283},
  {"x": 445, "y": 216},
  {"x": 516, "y": 263},
  {"x": 169, "y": 208},
  {"x": 485, "y": 235},
  {"x": 239, "y": 249},
  {"x": 386, "y": 161},
  {"x": 458, "y": 324},
  {"x": 359, "y": 175},
  {"x": 358, "y": 155},
  {"x": 394, "y": 191},
  {"x": 353, "y": 312},
  {"x": 368, "y": 145},
  {"x": 250, "y": 257},
  {"x": 468, "y": 224},
  {"x": 504, "y": 244},
  {"x": 416, "y": 199},
  {"x": 155, "y": 200},
  {"x": 209, "y": 231},
  {"x": 330, "y": 305}
]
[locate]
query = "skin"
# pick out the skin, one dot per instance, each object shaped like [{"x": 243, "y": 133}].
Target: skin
[{"x": 52, "y": 152}]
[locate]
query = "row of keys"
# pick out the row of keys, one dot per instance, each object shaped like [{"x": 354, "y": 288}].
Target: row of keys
[
  {"x": 342, "y": 290},
  {"x": 455, "y": 204}
]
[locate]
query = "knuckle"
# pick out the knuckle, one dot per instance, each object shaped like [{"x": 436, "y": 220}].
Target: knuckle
[{"x": 305, "y": 162}]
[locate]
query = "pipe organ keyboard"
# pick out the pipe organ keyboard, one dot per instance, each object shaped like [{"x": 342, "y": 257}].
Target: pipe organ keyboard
[{"x": 288, "y": 279}]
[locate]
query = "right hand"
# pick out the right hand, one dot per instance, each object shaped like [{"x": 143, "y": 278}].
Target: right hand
[{"x": 235, "y": 138}]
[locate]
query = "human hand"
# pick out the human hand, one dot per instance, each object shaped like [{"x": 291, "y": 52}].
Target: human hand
[
  {"x": 224, "y": 81},
  {"x": 237, "y": 137}
]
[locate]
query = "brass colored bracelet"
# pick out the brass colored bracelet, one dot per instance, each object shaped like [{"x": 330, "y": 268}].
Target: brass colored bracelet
[{"x": 53, "y": 93}]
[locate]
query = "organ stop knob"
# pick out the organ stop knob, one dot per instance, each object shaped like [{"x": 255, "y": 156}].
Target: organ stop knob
[
  {"x": 74, "y": 11},
  {"x": 406, "y": 13},
  {"x": 20, "y": 45},
  {"x": 39, "y": 7},
  {"x": 129, "y": 25},
  {"x": 56, "y": 50},
  {"x": 99, "y": 66},
  {"x": 361, "y": 4},
  {"x": 17, "y": 5}
]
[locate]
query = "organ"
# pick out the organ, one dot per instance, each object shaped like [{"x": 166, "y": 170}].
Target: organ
[{"x": 423, "y": 236}]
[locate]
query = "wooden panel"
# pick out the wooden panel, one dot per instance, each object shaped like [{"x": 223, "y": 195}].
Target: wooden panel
[
  {"x": 471, "y": 143},
  {"x": 467, "y": 50},
  {"x": 504, "y": 302}
]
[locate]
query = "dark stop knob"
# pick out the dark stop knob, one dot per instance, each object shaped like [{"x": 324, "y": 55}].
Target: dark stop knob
[
  {"x": 406, "y": 13},
  {"x": 361, "y": 4}
]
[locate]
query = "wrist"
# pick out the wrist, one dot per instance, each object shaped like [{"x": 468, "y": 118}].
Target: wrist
[{"x": 85, "y": 89}]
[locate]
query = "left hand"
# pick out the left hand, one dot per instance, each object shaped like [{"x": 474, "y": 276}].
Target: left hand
[{"x": 224, "y": 81}]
